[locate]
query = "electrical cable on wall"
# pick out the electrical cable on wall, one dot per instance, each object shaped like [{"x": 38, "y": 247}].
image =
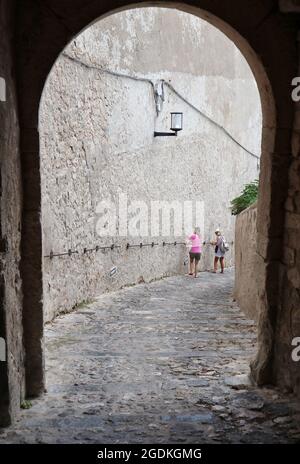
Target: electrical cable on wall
[
  {"x": 158, "y": 92},
  {"x": 209, "y": 119}
]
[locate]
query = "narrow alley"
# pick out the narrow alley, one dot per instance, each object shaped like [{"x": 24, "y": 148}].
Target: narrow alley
[{"x": 165, "y": 362}]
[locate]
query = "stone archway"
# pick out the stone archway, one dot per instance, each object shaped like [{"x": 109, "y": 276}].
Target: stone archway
[{"x": 263, "y": 35}]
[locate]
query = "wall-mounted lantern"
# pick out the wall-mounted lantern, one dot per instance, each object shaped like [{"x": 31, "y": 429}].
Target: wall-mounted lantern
[{"x": 176, "y": 125}]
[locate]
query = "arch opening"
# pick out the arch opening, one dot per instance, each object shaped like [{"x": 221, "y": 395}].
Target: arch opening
[
  {"x": 77, "y": 157},
  {"x": 265, "y": 254}
]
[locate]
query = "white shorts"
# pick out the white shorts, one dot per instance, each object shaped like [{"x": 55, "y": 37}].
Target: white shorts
[{"x": 219, "y": 254}]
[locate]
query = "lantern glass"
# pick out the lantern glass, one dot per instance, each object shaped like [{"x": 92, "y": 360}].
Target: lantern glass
[{"x": 176, "y": 121}]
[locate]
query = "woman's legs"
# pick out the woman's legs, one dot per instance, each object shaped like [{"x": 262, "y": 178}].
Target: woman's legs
[
  {"x": 216, "y": 264},
  {"x": 222, "y": 264},
  {"x": 196, "y": 266},
  {"x": 191, "y": 265}
]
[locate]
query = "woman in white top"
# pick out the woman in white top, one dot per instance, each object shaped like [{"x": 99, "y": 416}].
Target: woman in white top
[{"x": 219, "y": 254}]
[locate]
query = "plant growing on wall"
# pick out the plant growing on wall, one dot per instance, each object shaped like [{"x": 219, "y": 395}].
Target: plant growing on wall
[{"x": 247, "y": 198}]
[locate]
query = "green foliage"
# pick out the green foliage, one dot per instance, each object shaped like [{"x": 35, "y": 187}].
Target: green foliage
[
  {"x": 247, "y": 198},
  {"x": 83, "y": 304},
  {"x": 25, "y": 404}
]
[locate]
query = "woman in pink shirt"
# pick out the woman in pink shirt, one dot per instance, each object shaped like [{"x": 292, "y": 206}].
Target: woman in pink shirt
[{"x": 195, "y": 251}]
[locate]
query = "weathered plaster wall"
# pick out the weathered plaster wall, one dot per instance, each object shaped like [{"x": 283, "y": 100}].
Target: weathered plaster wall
[
  {"x": 245, "y": 290},
  {"x": 97, "y": 141},
  {"x": 11, "y": 371}
]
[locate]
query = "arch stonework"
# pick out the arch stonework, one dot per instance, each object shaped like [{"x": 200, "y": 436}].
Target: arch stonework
[{"x": 267, "y": 38}]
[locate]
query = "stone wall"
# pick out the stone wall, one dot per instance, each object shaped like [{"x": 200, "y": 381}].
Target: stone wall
[
  {"x": 286, "y": 371},
  {"x": 245, "y": 290},
  {"x": 11, "y": 371},
  {"x": 96, "y": 132},
  {"x": 42, "y": 32}
]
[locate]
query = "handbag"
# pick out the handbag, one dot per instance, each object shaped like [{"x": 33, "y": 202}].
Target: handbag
[{"x": 224, "y": 246}]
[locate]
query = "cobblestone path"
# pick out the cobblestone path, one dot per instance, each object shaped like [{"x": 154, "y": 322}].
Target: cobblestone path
[{"x": 160, "y": 362}]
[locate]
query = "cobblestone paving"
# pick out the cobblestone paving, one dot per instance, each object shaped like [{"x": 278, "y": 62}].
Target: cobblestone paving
[{"x": 160, "y": 362}]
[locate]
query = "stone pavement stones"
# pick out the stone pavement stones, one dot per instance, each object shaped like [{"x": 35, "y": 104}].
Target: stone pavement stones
[{"x": 165, "y": 362}]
